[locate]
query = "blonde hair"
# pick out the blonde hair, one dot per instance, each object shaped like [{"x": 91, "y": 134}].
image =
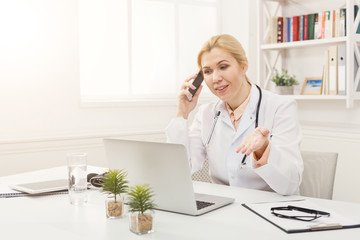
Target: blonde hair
[{"x": 227, "y": 43}]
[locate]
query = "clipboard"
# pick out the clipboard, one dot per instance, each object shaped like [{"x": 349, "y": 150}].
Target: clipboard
[{"x": 334, "y": 222}]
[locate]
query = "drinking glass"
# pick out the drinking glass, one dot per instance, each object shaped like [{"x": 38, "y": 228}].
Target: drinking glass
[{"x": 77, "y": 164}]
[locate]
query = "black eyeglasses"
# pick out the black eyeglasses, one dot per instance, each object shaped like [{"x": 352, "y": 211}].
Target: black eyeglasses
[
  {"x": 313, "y": 214},
  {"x": 95, "y": 179}
]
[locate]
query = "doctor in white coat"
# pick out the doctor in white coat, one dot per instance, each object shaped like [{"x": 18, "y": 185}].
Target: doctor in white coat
[{"x": 224, "y": 131}]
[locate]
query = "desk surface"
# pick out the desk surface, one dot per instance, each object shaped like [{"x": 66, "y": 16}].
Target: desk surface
[{"x": 53, "y": 217}]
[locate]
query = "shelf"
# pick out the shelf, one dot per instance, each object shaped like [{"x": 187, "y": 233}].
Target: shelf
[
  {"x": 311, "y": 60},
  {"x": 306, "y": 43},
  {"x": 318, "y": 97}
]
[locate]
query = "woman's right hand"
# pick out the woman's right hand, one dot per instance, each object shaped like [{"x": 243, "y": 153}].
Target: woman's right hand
[{"x": 184, "y": 105}]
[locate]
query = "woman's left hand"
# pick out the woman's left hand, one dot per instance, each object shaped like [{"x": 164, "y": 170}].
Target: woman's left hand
[{"x": 256, "y": 142}]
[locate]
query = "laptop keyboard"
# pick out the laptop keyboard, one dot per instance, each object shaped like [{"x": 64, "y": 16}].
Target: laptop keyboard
[{"x": 201, "y": 204}]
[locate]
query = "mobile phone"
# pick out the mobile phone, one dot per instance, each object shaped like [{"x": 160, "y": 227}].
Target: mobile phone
[{"x": 197, "y": 82}]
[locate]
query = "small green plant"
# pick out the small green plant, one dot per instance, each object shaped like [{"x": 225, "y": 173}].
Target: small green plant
[
  {"x": 284, "y": 79},
  {"x": 114, "y": 182},
  {"x": 140, "y": 198}
]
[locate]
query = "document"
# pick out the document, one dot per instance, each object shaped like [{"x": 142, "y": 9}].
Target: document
[{"x": 333, "y": 221}]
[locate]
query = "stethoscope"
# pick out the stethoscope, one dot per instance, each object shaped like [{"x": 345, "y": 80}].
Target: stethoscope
[{"x": 217, "y": 114}]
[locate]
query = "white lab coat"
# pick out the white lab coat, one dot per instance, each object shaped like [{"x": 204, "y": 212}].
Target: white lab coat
[{"x": 277, "y": 113}]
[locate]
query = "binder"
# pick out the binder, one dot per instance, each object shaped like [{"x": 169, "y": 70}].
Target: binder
[
  {"x": 325, "y": 88},
  {"x": 334, "y": 222},
  {"x": 333, "y": 67},
  {"x": 341, "y": 69}
]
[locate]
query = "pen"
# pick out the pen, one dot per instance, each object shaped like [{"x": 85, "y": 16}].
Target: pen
[{"x": 212, "y": 128}]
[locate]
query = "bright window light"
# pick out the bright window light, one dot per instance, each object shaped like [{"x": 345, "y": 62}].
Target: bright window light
[{"x": 136, "y": 49}]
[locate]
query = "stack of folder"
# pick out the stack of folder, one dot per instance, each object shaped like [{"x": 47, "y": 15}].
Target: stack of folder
[{"x": 334, "y": 73}]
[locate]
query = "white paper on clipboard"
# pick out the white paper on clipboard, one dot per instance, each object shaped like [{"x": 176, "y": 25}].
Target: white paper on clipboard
[{"x": 334, "y": 221}]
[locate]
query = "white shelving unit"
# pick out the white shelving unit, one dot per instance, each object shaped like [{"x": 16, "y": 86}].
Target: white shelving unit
[{"x": 277, "y": 55}]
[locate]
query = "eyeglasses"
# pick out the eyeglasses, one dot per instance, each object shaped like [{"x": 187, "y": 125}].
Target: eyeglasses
[
  {"x": 312, "y": 214},
  {"x": 95, "y": 179}
]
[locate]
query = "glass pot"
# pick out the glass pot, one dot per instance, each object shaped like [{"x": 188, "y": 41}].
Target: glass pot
[{"x": 141, "y": 223}]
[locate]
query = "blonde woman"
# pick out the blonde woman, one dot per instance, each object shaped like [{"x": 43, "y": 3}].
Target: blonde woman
[{"x": 250, "y": 136}]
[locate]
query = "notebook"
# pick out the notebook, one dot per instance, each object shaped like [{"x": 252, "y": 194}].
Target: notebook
[
  {"x": 165, "y": 167},
  {"x": 41, "y": 187}
]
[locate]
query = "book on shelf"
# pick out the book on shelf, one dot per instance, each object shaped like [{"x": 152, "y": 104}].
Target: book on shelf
[
  {"x": 306, "y": 37},
  {"x": 311, "y": 25},
  {"x": 328, "y": 27},
  {"x": 342, "y": 22},
  {"x": 332, "y": 16},
  {"x": 280, "y": 29},
  {"x": 286, "y": 29},
  {"x": 299, "y": 32},
  {"x": 322, "y": 18},
  {"x": 295, "y": 28},
  {"x": 337, "y": 23},
  {"x": 319, "y": 25},
  {"x": 301, "y": 28},
  {"x": 273, "y": 30}
]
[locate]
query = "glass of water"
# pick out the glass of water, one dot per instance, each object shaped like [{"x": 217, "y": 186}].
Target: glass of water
[{"x": 77, "y": 163}]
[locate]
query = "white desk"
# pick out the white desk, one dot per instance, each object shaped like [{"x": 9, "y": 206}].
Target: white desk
[{"x": 52, "y": 217}]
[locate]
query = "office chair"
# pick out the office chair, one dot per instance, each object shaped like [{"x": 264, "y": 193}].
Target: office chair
[
  {"x": 319, "y": 174},
  {"x": 203, "y": 174}
]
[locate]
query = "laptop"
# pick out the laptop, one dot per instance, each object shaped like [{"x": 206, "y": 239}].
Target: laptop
[{"x": 165, "y": 167}]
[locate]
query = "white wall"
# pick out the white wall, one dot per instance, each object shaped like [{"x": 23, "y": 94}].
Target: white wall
[
  {"x": 41, "y": 117},
  {"x": 237, "y": 22},
  {"x": 40, "y": 95},
  {"x": 329, "y": 126}
]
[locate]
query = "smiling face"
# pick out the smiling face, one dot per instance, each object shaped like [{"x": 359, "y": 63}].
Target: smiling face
[{"x": 225, "y": 77}]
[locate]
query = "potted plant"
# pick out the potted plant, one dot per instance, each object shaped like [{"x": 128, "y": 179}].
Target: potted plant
[
  {"x": 284, "y": 82},
  {"x": 140, "y": 206},
  {"x": 114, "y": 184}
]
